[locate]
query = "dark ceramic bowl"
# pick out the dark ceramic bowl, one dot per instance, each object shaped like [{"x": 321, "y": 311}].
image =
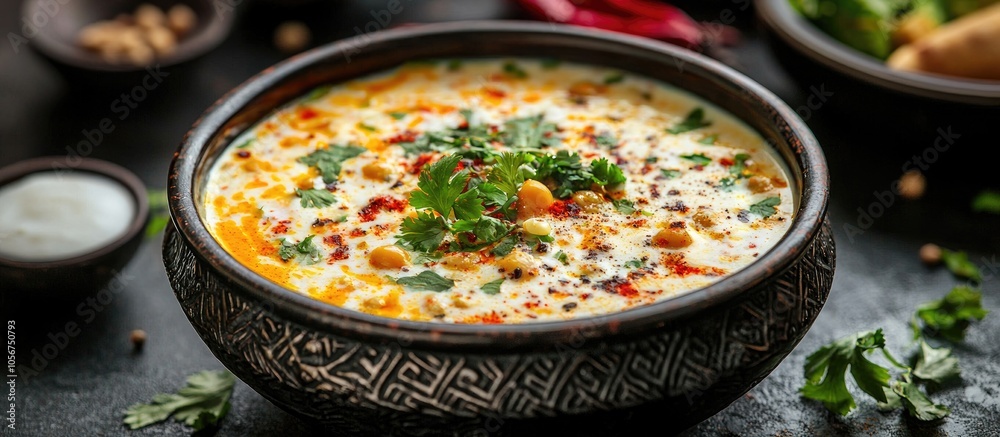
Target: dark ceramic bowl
[
  {"x": 899, "y": 103},
  {"x": 51, "y": 27},
  {"x": 71, "y": 279},
  {"x": 685, "y": 358}
]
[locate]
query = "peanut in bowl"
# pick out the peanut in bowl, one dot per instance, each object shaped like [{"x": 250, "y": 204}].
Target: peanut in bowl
[{"x": 341, "y": 362}]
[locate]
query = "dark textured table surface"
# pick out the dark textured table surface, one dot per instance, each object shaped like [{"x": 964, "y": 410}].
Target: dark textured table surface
[{"x": 879, "y": 281}]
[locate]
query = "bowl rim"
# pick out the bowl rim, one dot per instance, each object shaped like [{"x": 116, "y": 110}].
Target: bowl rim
[
  {"x": 205, "y": 38},
  {"x": 114, "y": 172},
  {"x": 807, "y": 39},
  {"x": 813, "y": 199}
]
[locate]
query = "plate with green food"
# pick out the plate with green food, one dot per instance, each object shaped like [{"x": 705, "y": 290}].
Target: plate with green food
[{"x": 895, "y": 55}]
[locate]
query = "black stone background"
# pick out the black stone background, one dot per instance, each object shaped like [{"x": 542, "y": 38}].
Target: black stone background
[{"x": 879, "y": 280}]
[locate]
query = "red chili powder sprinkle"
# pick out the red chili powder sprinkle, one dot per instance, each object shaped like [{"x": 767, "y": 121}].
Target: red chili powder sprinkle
[
  {"x": 564, "y": 209},
  {"x": 379, "y": 204},
  {"x": 422, "y": 160},
  {"x": 307, "y": 113},
  {"x": 726, "y": 162},
  {"x": 405, "y": 137},
  {"x": 357, "y": 233}
]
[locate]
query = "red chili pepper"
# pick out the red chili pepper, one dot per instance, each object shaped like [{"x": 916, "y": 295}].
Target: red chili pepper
[{"x": 638, "y": 17}]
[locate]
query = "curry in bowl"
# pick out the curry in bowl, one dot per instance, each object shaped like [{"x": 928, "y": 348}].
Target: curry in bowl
[{"x": 497, "y": 191}]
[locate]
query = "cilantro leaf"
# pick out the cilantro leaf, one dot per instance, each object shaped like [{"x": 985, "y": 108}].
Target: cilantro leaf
[
  {"x": 698, "y": 159},
  {"x": 739, "y": 168},
  {"x": 426, "y": 281},
  {"x": 397, "y": 115},
  {"x": 315, "y": 198},
  {"x": 694, "y": 120},
  {"x": 959, "y": 265},
  {"x": 616, "y": 77},
  {"x": 529, "y": 133},
  {"x": 513, "y": 70},
  {"x": 726, "y": 184},
  {"x": 825, "y": 371},
  {"x": 952, "y": 315},
  {"x": 468, "y": 206},
  {"x": 935, "y": 365},
  {"x": 624, "y": 206},
  {"x": 423, "y": 233},
  {"x": 507, "y": 174},
  {"x": 506, "y": 246},
  {"x": 606, "y": 140},
  {"x": 439, "y": 186},
  {"x": 635, "y": 264},
  {"x": 550, "y": 63},
  {"x": 709, "y": 140},
  {"x": 492, "y": 287},
  {"x": 328, "y": 160},
  {"x": 203, "y": 402},
  {"x": 766, "y": 208},
  {"x": 249, "y": 142},
  {"x": 605, "y": 173},
  {"x": 987, "y": 201},
  {"x": 305, "y": 250},
  {"x": 916, "y": 402},
  {"x": 669, "y": 173},
  {"x": 562, "y": 257}
]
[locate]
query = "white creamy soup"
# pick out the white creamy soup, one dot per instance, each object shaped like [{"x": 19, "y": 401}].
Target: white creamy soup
[{"x": 497, "y": 191}]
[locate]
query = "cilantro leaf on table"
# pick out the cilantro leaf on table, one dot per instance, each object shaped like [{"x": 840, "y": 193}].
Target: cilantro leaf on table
[
  {"x": 315, "y": 198},
  {"x": 935, "y": 365},
  {"x": 694, "y": 120},
  {"x": 959, "y": 265},
  {"x": 987, "y": 201},
  {"x": 950, "y": 316},
  {"x": 766, "y": 208},
  {"x": 439, "y": 185},
  {"x": 917, "y": 403},
  {"x": 426, "y": 281},
  {"x": 203, "y": 402},
  {"x": 825, "y": 371},
  {"x": 329, "y": 160}
]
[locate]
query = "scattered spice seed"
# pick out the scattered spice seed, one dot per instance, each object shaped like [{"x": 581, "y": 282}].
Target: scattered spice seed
[
  {"x": 138, "y": 339},
  {"x": 912, "y": 185},
  {"x": 930, "y": 254}
]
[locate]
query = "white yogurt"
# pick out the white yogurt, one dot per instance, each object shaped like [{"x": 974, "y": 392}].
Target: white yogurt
[{"x": 50, "y": 216}]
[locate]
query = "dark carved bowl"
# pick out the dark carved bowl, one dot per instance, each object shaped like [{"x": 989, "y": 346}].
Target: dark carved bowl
[{"x": 678, "y": 361}]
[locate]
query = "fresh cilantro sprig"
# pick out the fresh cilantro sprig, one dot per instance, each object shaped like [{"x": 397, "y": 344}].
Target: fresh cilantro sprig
[
  {"x": 960, "y": 265},
  {"x": 767, "y": 207},
  {"x": 442, "y": 189},
  {"x": 492, "y": 287},
  {"x": 159, "y": 215},
  {"x": 825, "y": 371},
  {"x": 570, "y": 175},
  {"x": 952, "y": 315},
  {"x": 305, "y": 251},
  {"x": 529, "y": 133},
  {"x": 694, "y": 120},
  {"x": 315, "y": 198},
  {"x": 426, "y": 281},
  {"x": 987, "y": 201},
  {"x": 328, "y": 161},
  {"x": 203, "y": 402}
]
